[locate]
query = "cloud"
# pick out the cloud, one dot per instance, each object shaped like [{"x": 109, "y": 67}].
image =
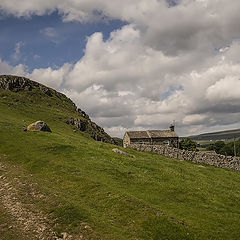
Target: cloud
[
  {"x": 123, "y": 84},
  {"x": 226, "y": 89},
  {"x": 17, "y": 51},
  {"x": 186, "y": 25},
  {"x": 173, "y": 60},
  {"x": 50, "y": 77},
  {"x": 51, "y": 34},
  {"x": 36, "y": 57},
  {"x": 27, "y": 7},
  {"x": 194, "y": 119},
  {"x": 6, "y": 68}
]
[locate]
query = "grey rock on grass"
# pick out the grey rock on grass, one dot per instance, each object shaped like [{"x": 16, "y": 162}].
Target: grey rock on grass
[
  {"x": 116, "y": 150},
  {"x": 39, "y": 126}
]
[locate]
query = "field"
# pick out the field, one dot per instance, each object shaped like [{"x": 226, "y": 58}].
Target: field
[
  {"x": 90, "y": 192},
  {"x": 202, "y": 144}
]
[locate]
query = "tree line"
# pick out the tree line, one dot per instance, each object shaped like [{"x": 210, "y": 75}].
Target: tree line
[
  {"x": 223, "y": 148},
  {"x": 220, "y": 147}
]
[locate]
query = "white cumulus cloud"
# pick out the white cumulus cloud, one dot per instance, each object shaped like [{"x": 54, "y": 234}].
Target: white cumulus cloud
[{"x": 169, "y": 62}]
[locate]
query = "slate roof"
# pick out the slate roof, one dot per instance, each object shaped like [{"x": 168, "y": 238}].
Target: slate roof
[
  {"x": 151, "y": 134},
  {"x": 162, "y": 133},
  {"x": 138, "y": 134}
]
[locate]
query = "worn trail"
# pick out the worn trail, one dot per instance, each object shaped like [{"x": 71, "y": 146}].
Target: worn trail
[{"x": 32, "y": 223}]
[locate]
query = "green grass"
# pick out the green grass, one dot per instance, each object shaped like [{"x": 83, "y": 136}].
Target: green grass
[{"x": 93, "y": 190}]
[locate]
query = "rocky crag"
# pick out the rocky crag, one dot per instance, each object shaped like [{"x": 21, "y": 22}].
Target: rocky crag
[{"x": 82, "y": 122}]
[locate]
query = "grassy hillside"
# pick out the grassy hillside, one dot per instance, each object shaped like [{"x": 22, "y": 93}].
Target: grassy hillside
[
  {"x": 90, "y": 192},
  {"x": 37, "y": 94}
]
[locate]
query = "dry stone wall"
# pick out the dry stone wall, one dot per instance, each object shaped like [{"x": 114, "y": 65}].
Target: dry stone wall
[{"x": 194, "y": 156}]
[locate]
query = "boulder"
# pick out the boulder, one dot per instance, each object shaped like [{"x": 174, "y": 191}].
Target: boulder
[
  {"x": 116, "y": 150},
  {"x": 39, "y": 126}
]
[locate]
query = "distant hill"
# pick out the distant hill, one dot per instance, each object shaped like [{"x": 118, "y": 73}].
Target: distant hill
[{"x": 228, "y": 134}]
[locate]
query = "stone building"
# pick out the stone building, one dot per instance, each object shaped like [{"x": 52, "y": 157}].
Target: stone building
[{"x": 151, "y": 137}]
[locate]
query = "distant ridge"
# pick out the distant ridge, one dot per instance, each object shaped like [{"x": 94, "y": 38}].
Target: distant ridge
[{"x": 227, "y": 134}]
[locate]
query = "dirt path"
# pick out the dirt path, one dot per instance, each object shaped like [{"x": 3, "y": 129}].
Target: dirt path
[{"x": 17, "y": 201}]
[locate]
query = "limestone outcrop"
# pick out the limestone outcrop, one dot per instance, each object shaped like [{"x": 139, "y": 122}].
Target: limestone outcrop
[
  {"x": 116, "y": 150},
  {"x": 39, "y": 126},
  {"x": 86, "y": 125}
]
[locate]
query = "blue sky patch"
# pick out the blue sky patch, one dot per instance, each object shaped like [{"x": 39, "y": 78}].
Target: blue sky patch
[
  {"x": 172, "y": 3},
  {"x": 171, "y": 90},
  {"x": 47, "y": 41}
]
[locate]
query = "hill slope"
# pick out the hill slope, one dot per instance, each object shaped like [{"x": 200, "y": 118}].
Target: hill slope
[
  {"x": 66, "y": 182},
  {"x": 33, "y": 94},
  {"x": 227, "y": 134}
]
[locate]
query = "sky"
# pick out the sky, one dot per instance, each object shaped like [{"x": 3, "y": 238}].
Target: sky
[{"x": 131, "y": 64}]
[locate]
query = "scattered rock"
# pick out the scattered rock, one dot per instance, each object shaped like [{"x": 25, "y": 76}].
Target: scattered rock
[
  {"x": 116, "y": 150},
  {"x": 39, "y": 126},
  {"x": 81, "y": 112},
  {"x": 86, "y": 125},
  {"x": 78, "y": 123},
  {"x": 64, "y": 235}
]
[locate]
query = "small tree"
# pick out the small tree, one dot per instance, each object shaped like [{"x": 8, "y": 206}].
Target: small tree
[
  {"x": 217, "y": 146},
  {"x": 211, "y": 147},
  {"x": 227, "y": 149},
  {"x": 188, "y": 144}
]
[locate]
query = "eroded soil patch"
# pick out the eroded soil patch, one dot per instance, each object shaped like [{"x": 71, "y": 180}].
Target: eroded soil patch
[{"x": 18, "y": 212}]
